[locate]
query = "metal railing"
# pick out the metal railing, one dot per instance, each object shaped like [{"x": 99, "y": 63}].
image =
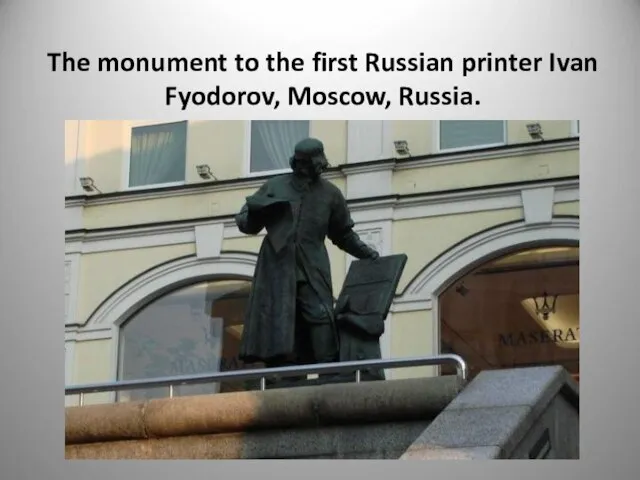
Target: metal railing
[{"x": 264, "y": 373}]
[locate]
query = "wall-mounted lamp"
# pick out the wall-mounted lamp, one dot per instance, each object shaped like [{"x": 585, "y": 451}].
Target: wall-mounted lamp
[
  {"x": 205, "y": 172},
  {"x": 88, "y": 184},
  {"x": 402, "y": 147},
  {"x": 535, "y": 131},
  {"x": 560, "y": 321}
]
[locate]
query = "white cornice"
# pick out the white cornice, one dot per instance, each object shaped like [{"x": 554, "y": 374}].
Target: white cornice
[
  {"x": 247, "y": 183},
  {"x": 79, "y": 334},
  {"x": 478, "y": 200},
  {"x": 378, "y": 166},
  {"x": 388, "y": 208},
  {"x": 475, "y": 156},
  {"x": 74, "y": 202},
  {"x": 345, "y": 170},
  {"x": 467, "y": 196},
  {"x": 399, "y": 306}
]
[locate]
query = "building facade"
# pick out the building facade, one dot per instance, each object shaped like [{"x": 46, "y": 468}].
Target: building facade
[{"x": 157, "y": 274}]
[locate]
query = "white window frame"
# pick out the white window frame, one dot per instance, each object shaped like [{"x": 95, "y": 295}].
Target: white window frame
[
  {"x": 575, "y": 128},
  {"x": 127, "y": 132},
  {"x": 247, "y": 153},
  {"x": 436, "y": 140}
]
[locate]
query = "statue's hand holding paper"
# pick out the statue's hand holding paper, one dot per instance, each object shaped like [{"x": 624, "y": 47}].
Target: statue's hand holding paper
[
  {"x": 276, "y": 214},
  {"x": 267, "y": 206}
]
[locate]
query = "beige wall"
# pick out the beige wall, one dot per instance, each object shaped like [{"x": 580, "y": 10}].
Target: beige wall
[
  {"x": 423, "y": 239},
  {"x": 104, "y": 146},
  {"x": 551, "y": 129},
  {"x": 421, "y": 135},
  {"x": 101, "y": 274},
  {"x": 333, "y": 134},
  {"x": 477, "y": 173},
  {"x": 93, "y": 364},
  {"x": 569, "y": 208},
  {"x": 248, "y": 243},
  {"x": 103, "y": 151},
  {"x": 165, "y": 209},
  {"x": 412, "y": 336},
  {"x": 220, "y": 144},
  {"x": 189, "y": 206}
]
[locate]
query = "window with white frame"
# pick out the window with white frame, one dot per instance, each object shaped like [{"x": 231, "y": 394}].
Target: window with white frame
[
  {"x": 158, "y": 154},
  {"x": 468, "y": 134},
  {"x": 272, "y": 143}
]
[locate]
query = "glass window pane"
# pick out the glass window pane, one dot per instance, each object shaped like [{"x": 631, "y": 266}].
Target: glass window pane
[
  {"x": 519, "y": 310},
  {"x": 193, "y": 330},
  {"x": 272, "y": 143},
  {"x": 158, "y": 154},
  {"x": 470, "y": 133}
]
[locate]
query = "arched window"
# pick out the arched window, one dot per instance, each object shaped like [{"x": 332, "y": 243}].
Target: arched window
[
  {"x": 191, "y": 330},
  {"x": 518, "y": 310}
]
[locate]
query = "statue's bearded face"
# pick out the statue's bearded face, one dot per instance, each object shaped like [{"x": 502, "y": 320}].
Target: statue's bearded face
[{"x": 311, "y": 167}]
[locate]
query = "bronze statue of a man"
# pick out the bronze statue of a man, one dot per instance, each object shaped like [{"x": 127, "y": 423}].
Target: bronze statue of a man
[{"x": 290, "y": 317}]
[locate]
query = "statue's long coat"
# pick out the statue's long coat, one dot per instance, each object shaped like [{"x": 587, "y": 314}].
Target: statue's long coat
[{"x": 319, "y": 211}]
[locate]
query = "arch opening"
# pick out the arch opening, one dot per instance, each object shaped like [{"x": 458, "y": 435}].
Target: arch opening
[
  {"x": 194, "y": 328},
  {"x": 516, "y": 309},
  {"x": 183, "y": 316}
]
